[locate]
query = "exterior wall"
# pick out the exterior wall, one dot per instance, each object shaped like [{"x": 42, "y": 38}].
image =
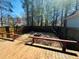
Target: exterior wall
[
  {"x": 73, "y": 33},
  {"x": 73, "y": 22},
  {"x": 73, "y": 28}
]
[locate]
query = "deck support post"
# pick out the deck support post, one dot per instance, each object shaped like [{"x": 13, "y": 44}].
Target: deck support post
[
  {"x": 32, "y": 41},
  {"x": 64, "y": 47}
]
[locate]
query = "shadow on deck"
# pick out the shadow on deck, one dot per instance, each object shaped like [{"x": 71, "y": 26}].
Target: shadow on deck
[{"x": 51, "y": 49}]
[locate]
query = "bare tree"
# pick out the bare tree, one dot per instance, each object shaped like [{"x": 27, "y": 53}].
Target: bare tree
[{"x": 7, "y": 7}]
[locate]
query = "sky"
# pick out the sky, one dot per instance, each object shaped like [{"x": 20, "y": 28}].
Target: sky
[{"x": 17, "y": 8}]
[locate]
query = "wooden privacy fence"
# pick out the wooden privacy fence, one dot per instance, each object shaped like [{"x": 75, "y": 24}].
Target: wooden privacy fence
[
  {"x": 64, "y": 42},
  {"x": 8, "y": 36}
]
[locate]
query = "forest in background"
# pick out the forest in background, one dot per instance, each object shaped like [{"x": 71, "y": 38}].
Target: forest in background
[{"x": 39, "y": 12}]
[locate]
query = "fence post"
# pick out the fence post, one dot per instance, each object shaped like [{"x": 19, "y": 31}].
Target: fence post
[
  {"x": 78, "y": 44},
  {"x": 8, "y": 31}
]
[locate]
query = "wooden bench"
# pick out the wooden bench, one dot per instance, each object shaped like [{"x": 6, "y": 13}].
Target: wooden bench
[
  {"x": 65, "y": 42},
  {"x": 11, "y": 38}
]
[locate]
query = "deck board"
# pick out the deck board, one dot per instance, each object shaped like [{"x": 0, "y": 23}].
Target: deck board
[{"x": 17, "y": 50}]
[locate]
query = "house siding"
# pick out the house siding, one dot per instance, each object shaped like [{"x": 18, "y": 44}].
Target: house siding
[
  {"x": 74, "y": 22},
  {"x": 73, "y": 28}
]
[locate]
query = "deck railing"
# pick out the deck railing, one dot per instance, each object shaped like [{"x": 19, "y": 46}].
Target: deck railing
[
  {"x": 8, "y": 36},
  {"x": 64, "y": 42}
]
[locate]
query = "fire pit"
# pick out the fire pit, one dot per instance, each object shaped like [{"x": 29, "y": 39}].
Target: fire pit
[{"x": 37, "y": 34}]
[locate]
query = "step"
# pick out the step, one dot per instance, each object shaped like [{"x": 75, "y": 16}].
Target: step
[{"x": 10, "y": 39}]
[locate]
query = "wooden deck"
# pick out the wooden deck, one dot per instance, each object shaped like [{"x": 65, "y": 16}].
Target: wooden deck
[{"x": 17, "y": 50}]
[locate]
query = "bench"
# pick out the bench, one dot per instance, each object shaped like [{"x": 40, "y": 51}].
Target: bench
[
  {"x": 11, "y": 38},
  {"x": 52, "y": 39}
]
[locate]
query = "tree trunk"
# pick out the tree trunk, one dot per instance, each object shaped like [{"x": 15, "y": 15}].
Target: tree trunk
[
  {"x": 65, "y": 24},
  {"x": 1, "y": 21},
  {"x": 61, "y": 17},
  {"x": 27, "y": 13},
  {"x": 41, "y": 20},
  {"x": 32, "y": 12}
]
